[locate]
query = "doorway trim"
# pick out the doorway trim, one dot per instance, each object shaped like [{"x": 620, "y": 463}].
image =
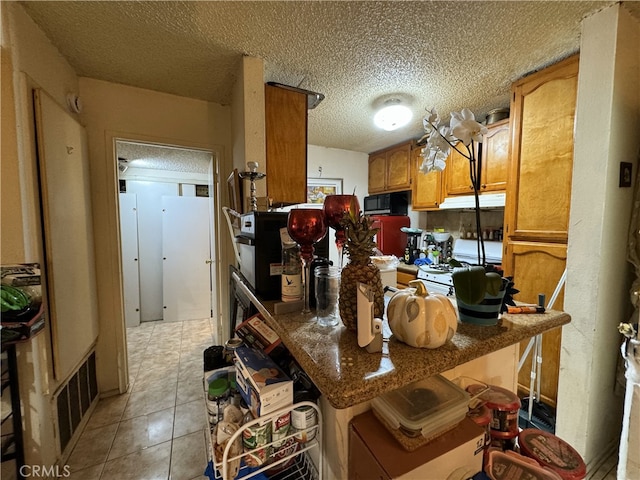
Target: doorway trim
[{"x": 111, "y": 288}]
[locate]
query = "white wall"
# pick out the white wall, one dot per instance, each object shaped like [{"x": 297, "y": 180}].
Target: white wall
[
  {"x": 351, "y": 167},
  {"x": 29, "y": 60},
  {"x": 596, "y": 295}
]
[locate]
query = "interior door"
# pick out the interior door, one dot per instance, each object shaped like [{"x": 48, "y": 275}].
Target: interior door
[
  {"x": 186, "y": 258},
  {"x": 130, "y": 263}
]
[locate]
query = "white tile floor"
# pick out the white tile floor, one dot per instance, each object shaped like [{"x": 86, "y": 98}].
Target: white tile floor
[{"x": 155, "y": 430}]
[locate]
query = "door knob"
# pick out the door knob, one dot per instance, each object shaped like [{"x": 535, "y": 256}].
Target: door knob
[{"x": 208, "y": 262}]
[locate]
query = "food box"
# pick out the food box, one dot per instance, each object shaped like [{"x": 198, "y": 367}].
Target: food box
[
  {"x": 261, "y": 383},
  {"x": 427, "y": 407},
  {"x": 374, "y": 454}
]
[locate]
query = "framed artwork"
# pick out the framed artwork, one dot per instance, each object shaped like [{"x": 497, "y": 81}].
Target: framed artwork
[{"x": 318, "y": 188}]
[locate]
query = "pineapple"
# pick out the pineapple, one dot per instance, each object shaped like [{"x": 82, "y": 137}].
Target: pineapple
[{"x": 359, "y": 247}]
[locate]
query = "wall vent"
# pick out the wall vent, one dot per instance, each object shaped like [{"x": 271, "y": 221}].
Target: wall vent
[{"x": 75, "y": 398}]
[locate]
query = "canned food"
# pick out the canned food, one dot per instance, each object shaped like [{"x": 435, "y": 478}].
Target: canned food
[
  {"x": 255, "y": 440},
  {"x": 303, "y": 419},
  {"x": 552, "y": 453},
  {"x": 281, "y": 445},
  {"x": 230, "y": 349},
  {"x": 504, "y": 406}
]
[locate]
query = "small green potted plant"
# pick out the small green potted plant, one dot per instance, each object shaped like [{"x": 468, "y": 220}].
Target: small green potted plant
[{"x": 482, "y": 293}]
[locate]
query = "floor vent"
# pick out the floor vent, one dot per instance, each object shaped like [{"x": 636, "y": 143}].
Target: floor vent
[{"x": 75, "y": 398}]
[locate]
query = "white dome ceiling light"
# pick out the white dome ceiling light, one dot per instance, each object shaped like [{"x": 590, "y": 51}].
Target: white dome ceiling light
[{"x": 393, "y": 115}]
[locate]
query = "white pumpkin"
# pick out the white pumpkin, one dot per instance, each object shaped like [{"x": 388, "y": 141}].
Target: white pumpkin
[{"x": 421, "y": 319}]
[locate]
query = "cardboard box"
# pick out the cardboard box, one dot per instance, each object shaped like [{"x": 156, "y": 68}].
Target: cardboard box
[
  {"x": 263, "y": 386},
  {"x": 374, "y": 453}
]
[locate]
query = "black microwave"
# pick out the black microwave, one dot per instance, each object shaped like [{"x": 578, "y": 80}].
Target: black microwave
[{"x": 396, "y": 203}]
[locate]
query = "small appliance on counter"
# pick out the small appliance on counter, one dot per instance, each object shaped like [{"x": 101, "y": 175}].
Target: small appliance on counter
[
  {"x": 413, "y": 249},
  {"x": 261, "y": 251}
]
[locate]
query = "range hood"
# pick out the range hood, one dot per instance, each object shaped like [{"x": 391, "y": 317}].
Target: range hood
[{"x": 487, "y": 200}]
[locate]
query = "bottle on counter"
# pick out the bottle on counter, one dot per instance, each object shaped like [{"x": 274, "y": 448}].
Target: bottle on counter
[{"x": 291, "y": 272}]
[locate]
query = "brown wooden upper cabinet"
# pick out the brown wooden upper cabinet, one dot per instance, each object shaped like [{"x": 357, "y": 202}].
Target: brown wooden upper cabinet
[
  {"x": 286, "y": 144},
  {"x": 542, "y": 117},
  {"x": 495, "y": 159},
  {"x": 390, "y": 169},
  {"x": 426, "y": 193}
]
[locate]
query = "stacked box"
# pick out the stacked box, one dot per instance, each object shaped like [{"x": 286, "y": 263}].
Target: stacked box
[{"x": 261, "y": 383}]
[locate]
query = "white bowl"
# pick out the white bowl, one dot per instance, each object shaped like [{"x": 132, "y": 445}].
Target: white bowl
[{"x": 441, "y": 236}]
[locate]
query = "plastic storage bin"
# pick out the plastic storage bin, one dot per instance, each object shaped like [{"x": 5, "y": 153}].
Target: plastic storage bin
[{"x": 427, "y": 407}]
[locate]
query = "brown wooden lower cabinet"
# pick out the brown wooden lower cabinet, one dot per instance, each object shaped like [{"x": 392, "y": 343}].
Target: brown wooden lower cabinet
[
  {"x": 404, "y": 278},
  {"x": 539, "y": 267}
]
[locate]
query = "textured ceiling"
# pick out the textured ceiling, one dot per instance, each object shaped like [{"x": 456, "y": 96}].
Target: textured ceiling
[
  {"x": 154, "y": 157},
  {"x": 447, "y": 54}
]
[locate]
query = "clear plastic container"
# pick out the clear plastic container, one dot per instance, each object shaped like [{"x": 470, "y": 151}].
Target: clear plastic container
[{"x": 427, "y": 407}]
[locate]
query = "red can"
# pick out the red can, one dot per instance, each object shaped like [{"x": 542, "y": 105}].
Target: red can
[
  {"x": 503, "y": 440},
  {"x": 552, "y": 452},
  {"x": 504, "y": 406}
]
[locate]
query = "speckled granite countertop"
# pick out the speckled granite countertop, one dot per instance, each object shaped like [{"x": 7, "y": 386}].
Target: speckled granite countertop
[
  {"x": 347, "y": 375},
  {"x": 403, "y": 267}
]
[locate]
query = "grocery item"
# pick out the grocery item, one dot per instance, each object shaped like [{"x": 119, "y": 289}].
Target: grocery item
[
  {"x": 512, "y": 466},
  {"x": 302, "y": 419},
  {"x": 552, "y": 452},
  {"x": 504, "y": 405}
]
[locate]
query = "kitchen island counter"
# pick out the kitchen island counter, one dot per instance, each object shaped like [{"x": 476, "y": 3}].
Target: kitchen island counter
[{"x": 347, "y": 375}]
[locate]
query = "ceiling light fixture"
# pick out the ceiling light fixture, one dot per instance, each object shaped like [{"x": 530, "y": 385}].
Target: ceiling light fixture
[{"x": 392, "y": 115}]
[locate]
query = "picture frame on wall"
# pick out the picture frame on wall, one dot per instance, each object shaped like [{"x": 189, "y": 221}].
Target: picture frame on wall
[{"x": 319, "y": 188}]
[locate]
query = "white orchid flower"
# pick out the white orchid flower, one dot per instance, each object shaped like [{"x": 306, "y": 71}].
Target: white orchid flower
[
  {"x": 465, "y": 128},
  {"x": 431, "y": 121},
  {"x": 434, "y": 160},
  {"x": 442, "y": 139}
]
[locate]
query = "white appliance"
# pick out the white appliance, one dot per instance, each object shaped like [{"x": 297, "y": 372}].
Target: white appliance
[{"x": 437, "y": 278}]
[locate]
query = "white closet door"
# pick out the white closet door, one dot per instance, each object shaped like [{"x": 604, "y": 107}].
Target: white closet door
[
  {"x": 187, "y": 258},
  {"x": 130, "y": 263}
]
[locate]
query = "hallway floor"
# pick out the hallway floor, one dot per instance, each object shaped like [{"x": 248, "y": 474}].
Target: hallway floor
[{"x": 155, "y": 430}]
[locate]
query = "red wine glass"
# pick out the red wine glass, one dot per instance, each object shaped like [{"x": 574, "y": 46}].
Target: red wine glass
[
  {"x": 306, "y": 226},
  {"x": 334, "y": 208}
]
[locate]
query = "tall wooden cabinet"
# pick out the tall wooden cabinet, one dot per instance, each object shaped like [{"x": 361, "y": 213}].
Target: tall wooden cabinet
[
  {"x": 390, "y": 169},
  {"x": 538, "y": 198},
  {"x": 286, "y": 143}
]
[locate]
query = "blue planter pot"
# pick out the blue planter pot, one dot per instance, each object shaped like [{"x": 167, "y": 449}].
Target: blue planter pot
[{"x": 484, "y": 313}]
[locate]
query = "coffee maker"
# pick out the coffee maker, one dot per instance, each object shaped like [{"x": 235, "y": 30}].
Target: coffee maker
[{"x": 412, "y": 250}]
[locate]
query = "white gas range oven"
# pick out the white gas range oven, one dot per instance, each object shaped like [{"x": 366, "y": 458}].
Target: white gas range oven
[{"x": 437, "y": 278}]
